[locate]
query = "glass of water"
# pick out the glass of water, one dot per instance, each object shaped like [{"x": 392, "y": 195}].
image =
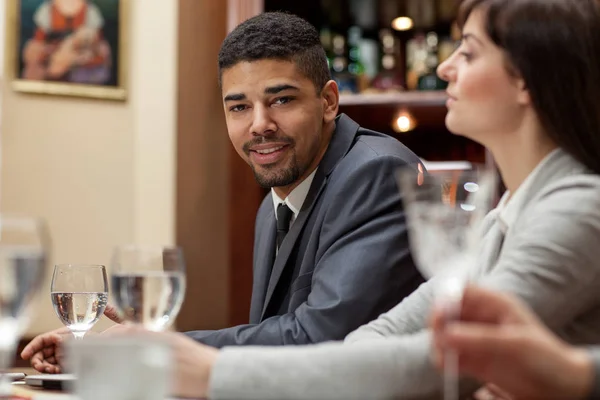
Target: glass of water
[
  {"x": 148, "y": 284},
  {"x": 79, "y": 296},
  {"x": 24, "y": 249}
]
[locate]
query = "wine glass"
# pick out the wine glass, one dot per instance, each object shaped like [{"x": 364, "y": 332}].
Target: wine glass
[
  {"x": 148, "y": 284},
  {"x": 444, "y": 211},
  {"x": 79, "y": 295},
  {"x": 24, "y": 249}
]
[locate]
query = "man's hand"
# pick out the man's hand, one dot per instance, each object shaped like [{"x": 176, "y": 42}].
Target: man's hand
[
  {"x": 45, "y": 351},
  {"x": 491, "y": 392},
  {"x": 501, "y": 342},
  {"x": 192, "y": 361},
  {"x": 111, "y": 313}
]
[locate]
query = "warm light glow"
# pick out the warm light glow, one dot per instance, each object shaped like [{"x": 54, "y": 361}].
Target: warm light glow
[
  {"x": 402, "y": 23},
  {"x": 404, "y": 122}
]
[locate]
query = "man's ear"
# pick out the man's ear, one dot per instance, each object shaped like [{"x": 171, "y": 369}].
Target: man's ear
[{"x": 330, "y": 96}]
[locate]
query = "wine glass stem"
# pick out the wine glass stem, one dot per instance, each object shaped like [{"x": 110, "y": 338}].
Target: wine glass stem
[
  {"x": 79, "y": 335},
  {"x": 451, "y": 390}
]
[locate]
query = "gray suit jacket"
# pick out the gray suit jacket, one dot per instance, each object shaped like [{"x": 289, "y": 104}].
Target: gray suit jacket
[
  {"x": 346, "y": 257},
  {"x": 549, "y": 258}
]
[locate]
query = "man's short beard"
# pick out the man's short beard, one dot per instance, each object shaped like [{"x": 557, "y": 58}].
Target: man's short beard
[{"x": 275, "y": 178}]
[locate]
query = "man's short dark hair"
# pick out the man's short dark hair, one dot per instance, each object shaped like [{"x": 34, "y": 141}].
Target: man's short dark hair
[{"x": 277, "y": 36}]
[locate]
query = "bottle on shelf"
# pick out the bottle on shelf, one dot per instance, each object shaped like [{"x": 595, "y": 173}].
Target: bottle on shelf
[
  {"x": 428, "y": 79},
  {"x": 356, "y": 66},
  {"x": 340, "y": 73},
  {"x": 416, "y": 59},
  {"x": 389, "y": 78}
]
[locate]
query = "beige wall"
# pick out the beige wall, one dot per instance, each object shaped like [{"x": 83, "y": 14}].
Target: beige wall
[{"x": 101, "y": 173}]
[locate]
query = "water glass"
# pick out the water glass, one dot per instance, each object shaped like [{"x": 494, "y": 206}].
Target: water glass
[
  {"x": 148, "y": 284},
  {"x": 79, "y": 295}
]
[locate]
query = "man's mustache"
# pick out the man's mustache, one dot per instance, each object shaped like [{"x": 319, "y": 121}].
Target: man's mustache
[{"x": 259, "y": 141}]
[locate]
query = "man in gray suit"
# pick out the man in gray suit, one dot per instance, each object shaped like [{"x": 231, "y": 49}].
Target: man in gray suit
[
  {"x": 345, "y": 258},
  {"x": 331, "y": 247}
]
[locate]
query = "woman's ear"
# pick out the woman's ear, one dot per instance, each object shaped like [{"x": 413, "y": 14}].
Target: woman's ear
[{"x": 523, "y": 97}]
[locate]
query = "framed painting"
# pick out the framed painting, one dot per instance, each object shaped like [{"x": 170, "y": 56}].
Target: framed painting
[{"x": 67, "y": 47}]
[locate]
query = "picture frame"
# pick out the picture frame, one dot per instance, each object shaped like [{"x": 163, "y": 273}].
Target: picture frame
[{"x": 79, "y": 50}]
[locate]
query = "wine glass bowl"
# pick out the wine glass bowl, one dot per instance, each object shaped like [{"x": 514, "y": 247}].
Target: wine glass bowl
[
  {"x": 148, "y": 284},
  {"x": 79, "y": 295},
  {"x": 444, "y": 211}
]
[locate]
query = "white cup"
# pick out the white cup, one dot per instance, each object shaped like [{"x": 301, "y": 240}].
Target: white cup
[{"x": 127, "y": 368}]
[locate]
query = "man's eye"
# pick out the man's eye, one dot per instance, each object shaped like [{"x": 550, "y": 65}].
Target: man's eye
[
  {"x": 283, "y": 100},
  {"x": 237, "y": 108}
]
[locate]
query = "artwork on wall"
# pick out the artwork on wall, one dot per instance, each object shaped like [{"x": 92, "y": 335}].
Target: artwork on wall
[{"x": 67, "y": 47}]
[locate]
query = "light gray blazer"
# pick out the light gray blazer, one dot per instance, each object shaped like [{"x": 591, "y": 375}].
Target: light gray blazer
[{"x": 549, "y": 256}]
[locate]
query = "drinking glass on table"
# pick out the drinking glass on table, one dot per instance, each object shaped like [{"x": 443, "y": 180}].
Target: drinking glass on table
[
  {"x": 79, "y": 296},
  {"x": 24, "y": 249},
  {"x": 148, "y": 284}
]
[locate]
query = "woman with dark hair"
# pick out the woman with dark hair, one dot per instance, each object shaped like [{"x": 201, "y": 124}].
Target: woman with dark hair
[{"x": 524, "y": 83}]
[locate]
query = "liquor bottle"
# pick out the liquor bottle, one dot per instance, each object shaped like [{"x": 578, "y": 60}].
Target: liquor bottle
[
  {"x": 389, "y": 78},
  {"x": 340, "y": 73},
  {"x": 356, "y": 66},
  {"x": 428, "y": 79},
  {"x": 416, "y": 59}
]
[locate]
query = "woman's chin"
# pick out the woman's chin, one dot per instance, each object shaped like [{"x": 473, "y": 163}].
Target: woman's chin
[{"x": 452, "y": 126}]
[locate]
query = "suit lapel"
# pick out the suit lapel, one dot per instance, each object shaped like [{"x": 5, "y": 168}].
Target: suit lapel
[
  {"x": 263, "y": 263},
  {"x": 341, "y": 142},
  {"x": 294, "y": 233}
]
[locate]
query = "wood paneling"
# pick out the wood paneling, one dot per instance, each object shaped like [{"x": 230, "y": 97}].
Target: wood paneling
[
  {"x": 240, "y": 10},
  {"x": 203, "y": 155},
  {"x": 245, "y": 199},
  {"x": 217, "y": 196}
]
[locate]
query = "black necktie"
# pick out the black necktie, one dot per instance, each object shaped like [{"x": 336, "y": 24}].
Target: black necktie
[{"x": 284, "y": 215}]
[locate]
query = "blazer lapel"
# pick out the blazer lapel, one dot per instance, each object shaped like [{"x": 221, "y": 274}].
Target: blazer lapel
[
  {"x": 294, "y": 233},
  {"x": 263, "y": 263},
  {"x": 341, "y": 142}
]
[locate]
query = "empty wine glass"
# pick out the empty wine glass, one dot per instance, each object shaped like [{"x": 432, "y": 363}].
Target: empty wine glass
[
  {"x": 24, "y": 249},
  {"x": 148, "y": 284},
  {"x": 79, "y": 296},
  {"x": 444, "y": 211}
]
